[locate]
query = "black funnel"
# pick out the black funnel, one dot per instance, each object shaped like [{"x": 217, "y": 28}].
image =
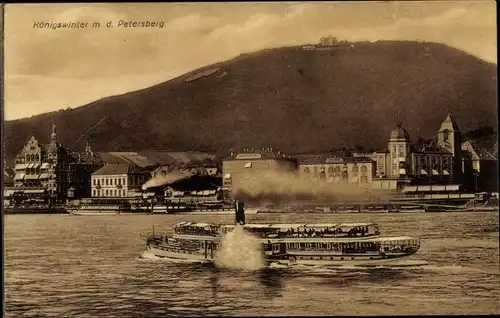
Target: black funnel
[{"x": 239, "y": 209}]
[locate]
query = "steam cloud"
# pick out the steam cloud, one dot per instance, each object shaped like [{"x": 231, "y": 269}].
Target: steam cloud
[
  {"x": 240, "y": 250},
  {"x": 287, "y": 186},
  {"x": 166, "y": 179}
]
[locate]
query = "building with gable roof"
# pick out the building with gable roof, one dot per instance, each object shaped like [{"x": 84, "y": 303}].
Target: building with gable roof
[
  {"x": 336, "y": 168},
  {"x": 80, "y": 172},
  {"x": 480, "y": 164},
  {"x": 435, "y": 163},
  {"x": 118, "y": 180},
  {"x": 41, "y": 169}
]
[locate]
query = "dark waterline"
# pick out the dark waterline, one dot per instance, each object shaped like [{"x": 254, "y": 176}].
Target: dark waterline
[{"x": 61, "y": 265}]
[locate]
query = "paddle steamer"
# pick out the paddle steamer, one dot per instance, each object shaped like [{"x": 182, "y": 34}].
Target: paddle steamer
[{"x": 307, "y": 244}]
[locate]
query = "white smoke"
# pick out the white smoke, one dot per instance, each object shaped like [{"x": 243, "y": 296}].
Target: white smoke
[
  {"x": 166, "y": 179},
  {"x": 240, "y": 250},
  {"x": 258, "y": 184}
]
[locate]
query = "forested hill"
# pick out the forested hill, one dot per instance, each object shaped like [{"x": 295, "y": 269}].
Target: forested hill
[{"x": 289, "y": 98}]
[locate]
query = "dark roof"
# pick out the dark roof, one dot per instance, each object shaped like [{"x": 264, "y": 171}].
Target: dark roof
[
  {"x": 399, "y": 133},
  {"x": 196, "y": 183},
  {"x": 329, "y": 159},
  {"x": 488, "y": 147},
  {"x": 109, "y": 169},
  {"x": 485, "y": 149},
  {"x": 155, "y": 158},
  {"x": 311, "y": 159},
  {"x": 86, "y": 157},
  {"x": 252, "y": 154},
  {"x": 434, "y": 150},
  {"x": 384, "y": 150}
]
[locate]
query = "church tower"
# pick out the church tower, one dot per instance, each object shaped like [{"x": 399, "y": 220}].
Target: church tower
[
  {"x": 450, "y": 139},
  {"x": 399, "y": 152},
  {"x": 53, "y": 136},
  {"x": 449, "y": 136}
]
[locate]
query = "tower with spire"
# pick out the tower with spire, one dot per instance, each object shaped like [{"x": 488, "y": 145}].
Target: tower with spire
[
  {"x": 88, "y": 149},
  {"x": 449, "y": 136},
  {"x": 53, "y": 136}
]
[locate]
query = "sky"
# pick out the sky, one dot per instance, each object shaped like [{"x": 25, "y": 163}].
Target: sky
[{"x": 50, "y": 69}]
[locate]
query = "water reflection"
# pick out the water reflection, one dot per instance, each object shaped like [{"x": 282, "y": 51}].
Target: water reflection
[
  {"x": 345, "y": 277},
  {"x": 272, "y": 279},
  {"x": 267, "y": 281}
]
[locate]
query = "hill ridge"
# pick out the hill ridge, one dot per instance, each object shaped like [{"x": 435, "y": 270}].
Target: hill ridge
[{"x": 289, "y": 98}]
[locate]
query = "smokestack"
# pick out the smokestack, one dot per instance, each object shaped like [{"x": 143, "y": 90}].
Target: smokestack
[{"x": 239, "y": 209}]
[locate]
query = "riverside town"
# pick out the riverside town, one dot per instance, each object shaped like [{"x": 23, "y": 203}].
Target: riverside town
[{"x": 445, "y": 173}]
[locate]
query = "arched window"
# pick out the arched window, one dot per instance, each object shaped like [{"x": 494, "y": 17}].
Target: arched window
[
  {"x": 330, "y": 169},
  {"x": 364, "y": 169},
  {"x": 307, "y": 170},
  {"x": 355, "y": 169}
]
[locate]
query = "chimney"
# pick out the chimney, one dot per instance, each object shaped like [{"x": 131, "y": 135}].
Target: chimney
[{"x": 239, "y": 209}]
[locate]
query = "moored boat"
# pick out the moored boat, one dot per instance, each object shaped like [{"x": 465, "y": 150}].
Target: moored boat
[
  {"x": 307, "y": 244},
  {"x": 34, "y": 209},
  {"x": 98, "y": 207}
]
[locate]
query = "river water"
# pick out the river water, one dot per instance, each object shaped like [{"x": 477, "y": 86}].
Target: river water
[{"x": 91, "y": 266}]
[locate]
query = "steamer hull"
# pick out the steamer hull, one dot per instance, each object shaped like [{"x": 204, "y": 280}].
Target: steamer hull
[{"x": 163, "y": 252}]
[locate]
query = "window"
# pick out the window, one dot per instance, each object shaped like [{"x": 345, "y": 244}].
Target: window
[
  {"x": 307, "y": 170},
  {"x": 123, "y": 192},
  {"x": 114, "y": 192},
  {"x": 330, "y": 170},
  {"x": 364, "y": 169},
  {"x": 364, "y": 179},
  {"x": 124, "y": 181},
  {"x": 355, "y": 169},
  {"x": 94, "y": 182},
  {"x": 94, "y": 192},
  {"x": 107, "y": 181}
]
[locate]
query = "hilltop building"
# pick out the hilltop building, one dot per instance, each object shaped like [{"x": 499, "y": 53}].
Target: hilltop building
[{"x": 328, "y": 41}]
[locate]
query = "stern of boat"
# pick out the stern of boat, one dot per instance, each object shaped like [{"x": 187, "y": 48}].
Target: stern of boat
[{"x": 396, "y": 247}]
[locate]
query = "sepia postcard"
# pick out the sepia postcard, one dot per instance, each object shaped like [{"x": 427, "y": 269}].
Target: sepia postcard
[{"x": 250, "y": 159}]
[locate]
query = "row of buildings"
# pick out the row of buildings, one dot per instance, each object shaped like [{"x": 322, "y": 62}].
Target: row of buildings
[
  {"x": 54, "y": 172},
  {"x": 447, "y": 160},
  {"x": 51, "y": 173}
]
